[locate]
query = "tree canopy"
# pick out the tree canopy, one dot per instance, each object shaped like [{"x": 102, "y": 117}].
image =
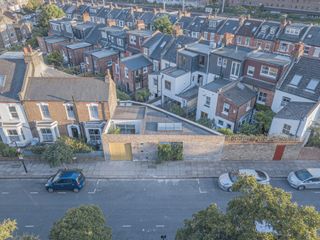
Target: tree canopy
[
  {"x": 258, "y": 205},
  {"x": 55, "y": 58},
  {"x": 48, "y": 12},
  {"x": 163, "y": 24},
  {"x": 32, "y": 5},
  {"x": 86, "y": 222},
  {"x": 7, "y": 227}
]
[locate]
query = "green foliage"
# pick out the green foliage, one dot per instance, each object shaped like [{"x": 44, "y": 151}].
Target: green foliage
[
  {"x": 114, "y": 130},
  {"x": 58, "y": 153},
  {"x": 257, "y": 203},
  {"x": 48, "y": 12},
  {"x": 33, "y": 5},
  {"x": 7, "y": 227},
  {"x": 122, "y": 95},
  {"x": 55, "y": 58},
  {"x": 83, "y": 223},
  {"x": 314, "y": 139},
  {"x": 176, "y": 109},
  {"x": 76, "y": 145},
  {"x": 142, "y": 95},
  {"x": 263, "y": 120},
  {"x": 163, "y": 24},
  {"x": 249, "y": 129},
  {"x": 206, "y": 122},
  {"x": 225, "y": 131},
  {"x": 38, "y": 149},
  {"x": 26, "y": 237},
  {"x": 6, "y": 151},
  {"x": 170, "y": 152}
]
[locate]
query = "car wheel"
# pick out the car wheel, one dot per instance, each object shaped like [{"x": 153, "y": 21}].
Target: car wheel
[
  {"x": 75, "y": 190},
  {"x": 50, "y": 190},
  {"x": 229, "y": 189},
  {"x": 300, "y": 188}
]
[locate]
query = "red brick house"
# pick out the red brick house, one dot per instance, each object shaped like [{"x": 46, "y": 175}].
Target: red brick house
[
  {"x": 51, "y": 43},
  {"x": 135, "y": 40},
  {"x": 73, "y": 54},
  {"x": 245, "y": 35}
]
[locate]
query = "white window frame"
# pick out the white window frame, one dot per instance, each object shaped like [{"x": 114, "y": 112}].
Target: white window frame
[
  {"x": 40, "y": 105},
  {"x": 90, "y": 106},
  {"x": 116, "y": 68},
  {"x": 13, "y": 112},
  {"x": 262, "y": 97},
  {"x": 126, "y": 72},
  {"x": 235, "y": 66},
  {"x": 66, "y": 105},
  {"x": 286, "y": 129},
  {"x": 219, "y": 61},
  {"x": 46, "y": 138},
  {"x": 133, "y": 39},
  {"x": 224, "y": 63},
  {"x": 17, "y": 136},
  {"x": 226, "y": 106},
  {"x": 269, "y": 71},
  {"x": 250, "y": 71},
  {"x": 208, "y": 101},
  {"x": 285, "y": 100},
  {"x": 145, "y": 69}
]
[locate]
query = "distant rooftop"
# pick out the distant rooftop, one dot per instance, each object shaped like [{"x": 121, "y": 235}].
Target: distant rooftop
[
  {"x": 271, "y": 58},
  {"x": 79, "y": 45},
  {"x": 296, "y": 110},
  {"x": 174, "y": 72}
]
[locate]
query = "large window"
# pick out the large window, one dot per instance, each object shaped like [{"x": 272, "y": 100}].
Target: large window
[
  {"x": 45, "y": 111},
  {"x": 94, "y": 135},
  {"x": 13, "y": 112},
  {"x": 235, "y": 69},
  {"x": 269, "y": 71},
  {"x": 133, "y": 40},
  {"x": 226, "y": 108},
  {"x": 250, "y": 71},
  {"x": 167, "y": 85},
  {"x": 127, "y": 128},
  {"x": 126, "y": 72},
  {"x": 262, "y": 97},
  {"x": 208, "y": 100},
  {"x": 47, "y": 135},
  {"x": 219, "y": 62},
  {"x": 13, "y": 135},
  {"x": 93, "y": 110},
  {"x": 70, "y": 111},
  {"x": 286, "y": 129}
]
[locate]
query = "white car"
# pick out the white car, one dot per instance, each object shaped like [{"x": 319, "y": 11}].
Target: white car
[
  {"x": 227, "y": 180},
  {"x": 305, "y": 178}
]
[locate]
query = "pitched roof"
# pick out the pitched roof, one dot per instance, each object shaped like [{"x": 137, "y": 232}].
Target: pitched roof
[
  {"x": 216, "y": 84},
  {"x": 292, "y": 37},
  {"x": 271, "y": 58},
  {"x": 94, "y": 36},
  {"x": 239, "y": 94},
  {"x": 313, "y": 36},
  {"x": 296, "y": 110},
  {"x": 136, "y": 61},
  {"x": 152, "y": 40},
  {"x": 230, "y": 26},
  {"x": 268, "y": 31},
  {"x": 12, "y": 69},
  {"x": 189, "y": 94},
  {"x": 306, "y": 75},
  {"x": 161, "y": 46},
  {"x": 63, "y": 89},
  {"x": 249, "y": 28}
]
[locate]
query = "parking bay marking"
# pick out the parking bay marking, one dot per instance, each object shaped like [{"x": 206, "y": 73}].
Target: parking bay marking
[
  {"x": 126, "y": 226},
  {"x": 200, "y": 191},
  {"x": 29, "y": 226},
  {"x": 4, "y": 192},
  {"x": 159, "y": 226}
]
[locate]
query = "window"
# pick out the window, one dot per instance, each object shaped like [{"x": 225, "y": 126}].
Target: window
[
  {"x": 247, "y": 43},
  {"x": 269, "y": 71},
  {"x": 22, "y": 134},
  {"x": 109, "y": 63},
  {"x": 238, "y": 40},
  {"x": 219, "y": 62},
  {"x": 286, "y": 129},
  {"x": 248, "y": 106},
  {"x": 292, "y": 31},
  {"x": 306, "y": 50},
  {"x": 155, "y": 81},
  {"x": 127, "y": 128},
  {"x": 93, "y": 111},
  {"x": 225, "y": 61},
  {"x": 285, "y": 101},
  {"x": 205, "y": 35},
  {"x": 220, "y": 123},
  {"x": 283, "y": 47},
  {"x": 94, "y": 135},
  {"x": 235, "y": 69},
  {"x": 45, "y": 111},
  {"x": 13, "y": 112},
  {"x": 133, "y": 40},
  {"x": 267, "y": 46},
  {"x": 145, "y": 69},
  {"x": 229, "y": 126},
  {"x": 119, "y": 41},
  {"x": 201, "y": 60},
  {"x": 295, "y": 80},
  {"x": 70, "y": 111},
  {"x": 250, "y": 71},
  {"x": 117, "y": 68},
  {"x": 312, "y": 85},
  {"x": 204, "y": 115},
  {"x": 126, "y": 74},
  {"x": 226, "y": 108},
  {"x": 167, "y": 85},
  {"x": 146, "y": 51},
  {"x": 47, "y": 135},
  {"x": 208, "y": 100},
  {"x": 262, "y": 97},
  {"x": 13, "y": 135}
]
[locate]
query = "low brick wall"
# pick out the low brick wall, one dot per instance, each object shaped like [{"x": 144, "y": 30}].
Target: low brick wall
[{"x": 309, "y": 153}]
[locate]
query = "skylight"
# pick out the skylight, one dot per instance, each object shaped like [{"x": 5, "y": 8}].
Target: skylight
[
  {"x": 296, "y": 80},
  {"x": 247, "y": 23},
  {"x": 312, "y": 85},
  {"x": 2, "y": 80},
  {"x": 309, "y": 36},
  {"x": 162, "y": 44}
]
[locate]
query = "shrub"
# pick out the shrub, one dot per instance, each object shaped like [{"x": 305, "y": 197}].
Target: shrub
[
  {"x": 6, "y": 151},
  {"x": 58, "y": 153},
  {"x": 114, "y": 130},
  {"x": 38, "y": 149},
  {"x": 177, "y": 151},
  {"x": 206, "y": 122},
  {"x": 314, "y": 139},
  {"x": 170, "y": 152},
  {"x": 122, "y": 95},
  {"x": 142, "y": 95},
  {"x": 249, "y": 129},
  {"x": 76, "y": 145},
  {"x": 177, "y": 109},
  {"x": 164, "y": 152},
  {"x": 225, "y": 131}
]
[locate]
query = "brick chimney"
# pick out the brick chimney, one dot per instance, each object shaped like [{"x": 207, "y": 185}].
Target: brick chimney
[
  {"x": 283, "y": 22},
  {"x": 242, "y": 18},
  {"x": 140, "y": 25},
  {"x": 111, "y": 22},
  {"x": 177, "y": 30},
  {"x": 228, "y": 39},
  {"x": 298, "y": 50},
  {"x": 86, "y": 17}
]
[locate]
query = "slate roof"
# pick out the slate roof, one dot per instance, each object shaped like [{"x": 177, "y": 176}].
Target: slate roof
[
  {"x": 184, "y": 22},
  {"x": 199, "y": 48},
  {"x": 180, "y": 41},
  {"x": 268, "y": 31},
  {"x": 114, "y": 13},
  {"x": 308, "y": 69},
  {"x": 217, "y": 84},
  {"x": 153, "y": 40},
  {"x": 136, "y": 62},
  {"x": 197, "y": 24},
  {"x": 173, "y": 72},
  {"x": 12, "y": 67},
  {"x": 54, "y": 39},
  {"x": 258, "y": 83},
  {"x": 313, "y": 36},
  {"x": 103, "y": 12},
  {"x": 296, "y": 110},
  {"x": 94, "y": 36},
  {"x": 102, "y": 53},
  {"x": 290, "y": 37},
  {"x": 229, "y": 26},
  {"x": 239, "y": 94},
  {"x": 144, "y": 33},
  {"x": 249, "y": 28},
  {"x": 165, "y": 41},
  {"x": 62, "y": 89},
  {"x": 190, "y": 94},
  {"x": 78, "y": 45},
  {"x": 233, "y": 52},
  {"x": 271, "y": 58},
  {"x": 147, "y": 17},
  {"x": 213, "y": 25}
]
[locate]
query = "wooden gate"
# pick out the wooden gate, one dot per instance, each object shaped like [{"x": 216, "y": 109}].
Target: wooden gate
[
  {"x": 279, "y": 152},
  {"x": 120, "y": 151}
]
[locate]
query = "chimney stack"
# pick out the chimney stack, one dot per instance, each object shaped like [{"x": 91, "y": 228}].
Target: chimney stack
[{"x": 298, "y": 50}]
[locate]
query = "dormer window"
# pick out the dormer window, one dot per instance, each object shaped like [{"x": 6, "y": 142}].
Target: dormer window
[
  {"x": 212, "y": 24},
  {"x": 295, "y": 80},
  {"x": 292, "y": 31},
  {"x": 312, "y": 85},
  {"x": 272, "y": 30},
  {"x": 264, "y": 28}
]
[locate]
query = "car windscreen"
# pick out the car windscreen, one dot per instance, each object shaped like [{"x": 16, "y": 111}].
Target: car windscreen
[
  {"x": 303, "y": 174},
  {"x": 56, "y": 177},
  {"x": 261, "y": 175},
  {"x": 80, "y": 178},
  {"x": 233, "y": 176}
]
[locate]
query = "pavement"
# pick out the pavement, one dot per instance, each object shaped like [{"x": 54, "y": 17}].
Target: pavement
[
  {"x": 150, "y": 170},
  {"x": 136, "y": 209}
]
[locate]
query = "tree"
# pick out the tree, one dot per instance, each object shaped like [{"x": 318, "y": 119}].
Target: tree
[
  {"x": 26, "y": 237},
  {"x": 86, "y": 222},
  {"x": 264, "y": 120},
  {"x": 225, "y": 131},
  {"x": 249, "y": 129},
  {"x": 55, "y": 58},
  {"x": 7, "y": 227},
  {"x": 32, "y": 5},
  {"x": 257, "y": 205},
  {"x": 206, "y": 122},
  {"x": 163, "y": 24},
  {"x": 48, "y": 12},
  {"x": 58, "y": 153},
  {"x": 142, "y": 95}
]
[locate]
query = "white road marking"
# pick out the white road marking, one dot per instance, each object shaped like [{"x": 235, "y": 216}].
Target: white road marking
[
  {"x": 95, "y": 189},
  {"x": 200, "y": 191},
  {"x": 29, "y": 226},
  {"x": 34, "y": 192},
  {"x": 126, "y": 226},
  {"x": 4, "y": 192},
  {"x": 159, "y": 226},
  {"x": 62, "y": 192},
  {"x": 317, "y": 192}
]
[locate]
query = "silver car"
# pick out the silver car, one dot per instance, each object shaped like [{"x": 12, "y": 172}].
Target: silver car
[
  {"x": 305, "y": 178},
  {"x": 227, "y": 180}
]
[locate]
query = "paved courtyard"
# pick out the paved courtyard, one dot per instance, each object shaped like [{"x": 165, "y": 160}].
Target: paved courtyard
[{"x": 133, "y": 169}]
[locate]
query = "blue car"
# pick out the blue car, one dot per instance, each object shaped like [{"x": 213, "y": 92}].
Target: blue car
[{"x": 72, "y": 180}]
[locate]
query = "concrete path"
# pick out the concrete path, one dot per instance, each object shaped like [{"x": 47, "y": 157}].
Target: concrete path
[{"x": 145, "y": 170}]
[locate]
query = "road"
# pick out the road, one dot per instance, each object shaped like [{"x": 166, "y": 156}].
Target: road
[{"x": 135, "y": 209}]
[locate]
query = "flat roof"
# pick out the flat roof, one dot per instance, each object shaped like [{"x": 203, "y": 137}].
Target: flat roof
[
  {"x": 103, "y": 53},
  {"x": 271, "y": 58},
  {"x": 174, "y": 72},
  {"x": 188, "y": 53},
  {"x": 79, "y": 45}
]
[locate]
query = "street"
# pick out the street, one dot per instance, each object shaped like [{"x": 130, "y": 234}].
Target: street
[{"x": 135, "y": 209}]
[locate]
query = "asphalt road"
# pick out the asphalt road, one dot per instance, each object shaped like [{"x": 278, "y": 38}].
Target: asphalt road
[{"x": 135, "y": 209}]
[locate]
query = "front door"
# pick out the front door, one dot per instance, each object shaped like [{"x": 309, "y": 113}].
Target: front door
[{"x": 74, "y": 132}]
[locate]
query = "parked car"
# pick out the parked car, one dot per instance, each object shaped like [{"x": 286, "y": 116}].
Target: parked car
[
  {"x": 305, "y": 178},
  {"x": 227, "y": 180},
  {"x": 72, "y": 180}
]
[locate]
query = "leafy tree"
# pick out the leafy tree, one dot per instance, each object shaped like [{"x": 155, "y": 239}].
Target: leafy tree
[
  {"x": 177, "y": 109},
  {"x": 264, "y": 120},
  {"x": 170, "y": 152},
  {"x": 163, "y": 24},
  {"x": 48, "y": 12},
  {"x": 77, "y": 146},
  {"x": 58, "y": 153},
  {"x": 142, "y": 95},
  {"x": 55, "y": 58},
  {"x": 86, "y": 222},
  {"x": 7, "y": 227},
  {"x": 26, "y": 237},
  {"x": 314, "y": 139},
  {"x": 225, "y": 131},
  {"x": 206, "y": 122},
  {"x": 33, "y": 5},
  {"x": 122, "y": 95},
  {"x": 249, "y": 129},
  {"x": 257, "y": 204}
]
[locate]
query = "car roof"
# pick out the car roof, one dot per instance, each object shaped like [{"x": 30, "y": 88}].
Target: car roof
[
  {"x": 315, "y": 172},
  {"x": 69, "y": 174}
]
